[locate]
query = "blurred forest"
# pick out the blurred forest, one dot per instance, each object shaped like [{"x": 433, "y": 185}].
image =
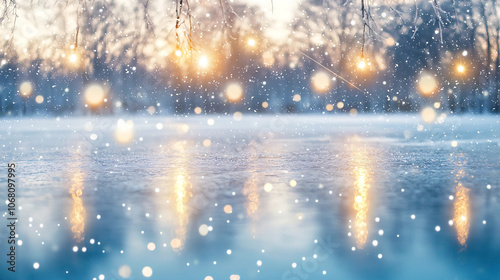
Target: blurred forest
[{"x": 158, "y": 57}]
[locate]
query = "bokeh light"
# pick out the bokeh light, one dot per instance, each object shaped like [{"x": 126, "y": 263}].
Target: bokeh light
[
  {"x": 428, "y": 115},
  {"x": 234, "y": 92},
  {"x": 94, "y": 95},
  {"x": 124, "y": 131},
  {"x": 39, "y": 99},
  {"x": 147, "y": 271},
  {"x": 321, "y": 82},
  {"x": 26, "y": 89},
  {"x": 427, "y": 84}
]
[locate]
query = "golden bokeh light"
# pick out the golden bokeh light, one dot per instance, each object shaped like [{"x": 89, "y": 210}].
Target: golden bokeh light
[
  {"x": 268, "y": 187},
  {"x": 329, "y": 107},
  {"x": 428, "y": 115},
  {"x": 124, "y": 131},
  {"x": 73, "y": 58},
  {"x": 234, "y": 92},
  {"x": 268, "y": 59},
  {"x": 228, "y": 209},
  {"x": 26, "y": 89},
  {"x": 340, "y": 105},
  {"x": 94, "y": 95},
  {"x": 362, "y": 64},
  {"x": 197, "y": 110},
  {"x": 125, "y": 271},
  {"x": 147, "y": 271},
  {"x": 297, "y": 98},
  {"x": 39, "y": 99},
  {"x": 178, "y": 53},
  {"x": 321, "y": 82},
  {"x": 460, "y": 69},
  {"x": 251, "y": 42},
  {"x": 203, "y": 62},
  {"x": 427, "y": 84},
  {"x": 265, "y": 104}
]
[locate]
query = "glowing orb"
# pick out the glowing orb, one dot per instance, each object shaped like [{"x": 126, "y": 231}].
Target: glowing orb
[
  {"x": 460, "y": 69},
  {"x": 268, "y": 187},
  {"x": 428, "y": 115},
  {"x": 340, "y": 105},
  {"x": 251, "y": 42},
  {"x": 151, "y": 246},
  {"x": 234, "y": 92},
  {"x": 73, "y": 58},
  {"x": 297, "y": 98},
  {"x": 237, "y": 116},
  {"x": 39, "y": 99},
  {"x": 207, "y": 143},
  {"x": 197, "y": 110},
  {"x": 427, "y": 84},
  {"x": 124, "y": 132},
  {"x": 209, "y": 278},
  {"x": 228, "y": 209},
  {"x": 124, "y": 271},
  {"x": 178, "y": 53},
  {"x": 203, "y": 230},
  {"x": 147, "y": 271},
  {"x": 329, "y": 107},
  {"x": 203, "y": 62},
  {"x": 321, "y": 82},
  {"x": 265, "y": 104},
  {"x": 25, "y": 89},
  {"x": 94, "y": 95},
  {"x": 362, "y": 64}
]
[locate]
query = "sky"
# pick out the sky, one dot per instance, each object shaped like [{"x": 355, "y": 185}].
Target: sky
[{"x": 279, "y": 13}]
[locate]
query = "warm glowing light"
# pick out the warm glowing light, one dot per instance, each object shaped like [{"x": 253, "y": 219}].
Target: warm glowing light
[
  {"x": 460, "y": 68},
  {"x": 297, "y": 98},
  {"x": 77, "y": 216},
  {"x": 361, "y": 199},
  {"x": 197, "y": 110},
  {"x": 203, "y": 62},
  {"x": 321, "y": 82},
  {"x": 39, "y": 99},
  {"x": 265, "y": 104},
  {"x": 124, "y": 131},
  {"x": 427, "y": 84},
  {"x": 428, "y": 115},
  {"x": 340, "y": 105},
  {"x": 251, "y": 42},
  {"x": 207, "y": 143},
  {"x": 293, "y": 183},
  {"x": 329, "y": 107},
  {"x": 147, "y": 271},
  {"x": 268, "y": 59},
  {"x": 94, "y": 95},
  {"x": 73, "y": 58},
  {"x": 234, "y": 92},
  {"x": 228, "y": 209},
  {"x": 362, "y": 64},
  {"x": 268, "y": 187},
  {"x": 237, "y": 116},
  {"x": 178, "y": 53},
  {"x": 461, "y": 213},
  {"x": 25, "y": 89},
  {"x": 151, "y": 110}
]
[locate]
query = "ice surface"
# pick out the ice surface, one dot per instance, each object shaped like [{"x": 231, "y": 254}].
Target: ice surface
[{"x": 355, "y": 176}]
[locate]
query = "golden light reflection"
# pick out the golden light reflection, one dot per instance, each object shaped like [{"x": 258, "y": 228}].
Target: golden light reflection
[
  {"x": 180, "y": 196},
  {"x": 251, "y": 188},
  {"x": 77, "y": 215},
  {"x": 361, "y": 206},
  {"x": 94, "y": 95},
  {"x": 461, "y": 213}
]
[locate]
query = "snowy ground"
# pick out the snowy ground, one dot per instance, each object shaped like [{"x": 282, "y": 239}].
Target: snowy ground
[{"x": 375, "y": 197}]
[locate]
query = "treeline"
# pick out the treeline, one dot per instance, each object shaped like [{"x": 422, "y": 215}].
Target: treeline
[{"x": 146, "y": 68}]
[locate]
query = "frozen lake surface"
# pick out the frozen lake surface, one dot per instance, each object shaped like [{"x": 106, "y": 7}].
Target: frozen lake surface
[{"x": 288, "y": 197}]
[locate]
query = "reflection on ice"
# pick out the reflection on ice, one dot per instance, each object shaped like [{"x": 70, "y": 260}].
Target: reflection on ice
[
  {"x": 77, "y": 216},
  {"x": 361, "y": 173},
  {"x": 461, "y": 213},
  {"x": 181, "y": 195}
]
